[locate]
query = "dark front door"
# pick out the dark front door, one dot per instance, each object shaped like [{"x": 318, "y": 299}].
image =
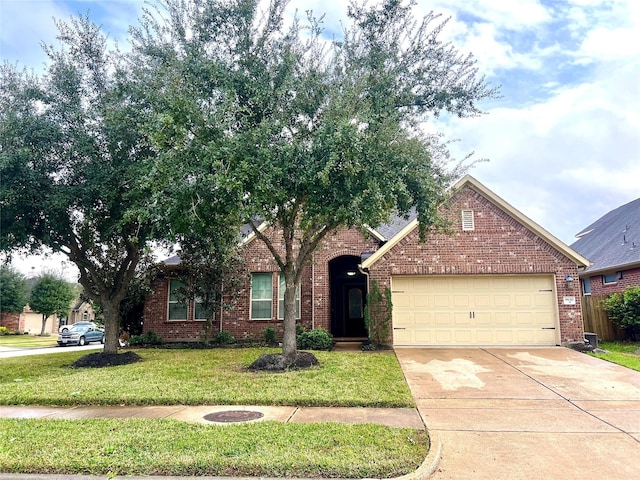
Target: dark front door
[{"x": 348, "y": 295}]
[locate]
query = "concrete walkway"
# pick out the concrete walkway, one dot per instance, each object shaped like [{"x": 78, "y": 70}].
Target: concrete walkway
[
  {"x": 391, "y": 417},
  {"x": 538, "y": 413}
]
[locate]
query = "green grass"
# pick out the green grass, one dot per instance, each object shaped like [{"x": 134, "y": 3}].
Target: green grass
[
  {"x": 197, "y": 377},
  {"x": 626, "y": 354},
  {"x": 205, "y": 377},
  {"x": 28, "y": 341},
  {"x": 169, "y": 447}
]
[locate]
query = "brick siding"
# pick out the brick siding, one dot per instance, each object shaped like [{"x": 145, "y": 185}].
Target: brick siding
[
  {"x": 630, "y": 278},
  {"x": 499, "y": 244}
]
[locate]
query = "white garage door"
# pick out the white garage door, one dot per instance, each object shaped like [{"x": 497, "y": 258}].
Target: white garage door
[{"x": 474, "y": 310}]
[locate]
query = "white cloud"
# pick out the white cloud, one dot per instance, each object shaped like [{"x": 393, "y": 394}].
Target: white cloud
[
  {"x": 502, "y": 14},
  {"x": 561, "y": 160}
]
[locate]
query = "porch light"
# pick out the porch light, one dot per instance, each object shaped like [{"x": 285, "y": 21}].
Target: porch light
[
  {"x": 351, "y": 273},
  {"x": 569, "y": 280}
]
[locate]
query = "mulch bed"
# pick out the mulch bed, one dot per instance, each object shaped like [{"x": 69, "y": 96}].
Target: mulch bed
[
  {"x": 100, "y": 360},
  {"x": 276, "y": 362}
]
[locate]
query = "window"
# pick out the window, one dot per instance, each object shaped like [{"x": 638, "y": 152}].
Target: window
[
  {"x": 281, "y": 288},
  {"x": 355, "y": 303},
  {"x": 177, "y": 309},
  {"x": 467, "y": 221},
  {"x": 586, "y": 286},
  {"x": 610, "y": 278},
  {"x": 261, "y": 295},
  {"x": 199, "y": 312}
]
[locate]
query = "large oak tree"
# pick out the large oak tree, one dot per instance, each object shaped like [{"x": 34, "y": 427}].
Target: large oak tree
[
  {"x": 71, "y": 159},
  {"x": 305, "y": 131}
]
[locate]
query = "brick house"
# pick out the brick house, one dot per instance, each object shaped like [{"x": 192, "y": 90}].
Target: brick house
[
  {"x": 497, "y": 279},
  {"x": 612, "y": 245}
]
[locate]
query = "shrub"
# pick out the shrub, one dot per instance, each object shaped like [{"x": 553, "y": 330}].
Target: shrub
[
  {"x": 224, "y": 338},
  {"x": 149, "y": 338},
  {"x": 623, "y": 309},
  {"x": 270, "y": 336},
  {"x": 4, "y": 330},
  {"x": 377, "y": 314},
  {"x": 316, "y": 339}
]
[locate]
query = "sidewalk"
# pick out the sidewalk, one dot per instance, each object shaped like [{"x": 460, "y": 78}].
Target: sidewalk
[{"x": 391, "y": 417}]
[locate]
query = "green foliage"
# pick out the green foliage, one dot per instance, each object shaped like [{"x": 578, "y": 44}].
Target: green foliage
[
  {"x": 377, "y": 314},
  {"x": 261, "y": 117},
  {"x": 212, "y": 271},
  {"x": 4, "y": 330},
  {"x": 316, "y": 339},
  {"x": 224, "y": 338},
  {"x": 72, "y": 164},
  {"x": 149, "y": 338},
  {"x": 270, "y": 336},
  {"x": 51, "y": 295},
  {"x": 623, "y": 308},
  {"x": 13, "y": 290}
]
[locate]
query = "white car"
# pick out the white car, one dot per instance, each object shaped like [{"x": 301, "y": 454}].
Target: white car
[{"x": 66, "y": 328}]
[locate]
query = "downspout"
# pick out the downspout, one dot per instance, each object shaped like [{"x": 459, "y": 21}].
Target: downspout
[
  {"x": 313, "y": 291},
  {"x": 221, "y": 304},
  {"x": 365, "y": 272}
]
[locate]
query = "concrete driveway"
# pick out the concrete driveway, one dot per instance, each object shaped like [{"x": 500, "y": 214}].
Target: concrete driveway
[{"x": 527, "y": 413}]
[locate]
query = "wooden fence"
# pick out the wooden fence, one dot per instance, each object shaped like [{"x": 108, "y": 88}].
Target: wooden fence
[{"x": 596, "y": 321}]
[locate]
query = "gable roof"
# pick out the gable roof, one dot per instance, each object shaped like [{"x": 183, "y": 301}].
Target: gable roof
[
  {"x": 468, "y": 180},
  {"x": 613, "y": 241}
]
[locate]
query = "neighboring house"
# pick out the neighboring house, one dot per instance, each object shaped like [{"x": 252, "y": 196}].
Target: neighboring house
[
  {"x": 82, "y": 311},
  {"x": 612, "y": 245},
  {"x": 497, "y": 279},
  {"x": 29, "y": 321}
]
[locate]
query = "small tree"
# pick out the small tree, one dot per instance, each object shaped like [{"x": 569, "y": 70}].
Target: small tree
[
  {"x": 211, "y": 272},
  {"x": 13, "y": 290},
  {"x": 377, "y": 314},
  {"x": 623, "y": 309},
  {"x": 51, "y": 295}
]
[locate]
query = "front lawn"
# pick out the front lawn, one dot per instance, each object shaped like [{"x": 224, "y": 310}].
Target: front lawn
[
  {"x": 205, "y": 377},
  {"x": 626, "y": 354},
  {"x": 28, "y": 341},
  {"x": 198, "y": 377},
  {"x": 170, "y": 447}
]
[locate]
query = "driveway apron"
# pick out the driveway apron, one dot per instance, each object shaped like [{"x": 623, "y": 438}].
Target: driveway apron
[{"x": 527, "y": 413}]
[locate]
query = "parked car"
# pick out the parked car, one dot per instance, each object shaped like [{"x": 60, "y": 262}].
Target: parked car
[
  {"x": 64, "y": 328},
  {"x": 80, "y": 334}
]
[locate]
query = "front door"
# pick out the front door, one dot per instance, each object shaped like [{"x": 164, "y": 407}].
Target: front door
[{"x": 348, "y": 295}]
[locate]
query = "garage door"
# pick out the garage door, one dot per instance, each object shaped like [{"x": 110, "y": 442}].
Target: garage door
[{"x": 474, "y": 310}]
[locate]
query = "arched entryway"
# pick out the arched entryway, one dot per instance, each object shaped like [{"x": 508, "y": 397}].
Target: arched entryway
[{"x": 348, "y": 289}]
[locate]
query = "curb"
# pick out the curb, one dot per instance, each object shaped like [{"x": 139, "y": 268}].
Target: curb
[{"x": 430, "y": 463}]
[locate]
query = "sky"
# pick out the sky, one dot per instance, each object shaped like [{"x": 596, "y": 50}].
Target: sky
[{"x": 562, "y": 142}]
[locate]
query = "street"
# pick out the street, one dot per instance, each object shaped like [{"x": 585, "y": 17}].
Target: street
[{"x": 9, "y": 352}]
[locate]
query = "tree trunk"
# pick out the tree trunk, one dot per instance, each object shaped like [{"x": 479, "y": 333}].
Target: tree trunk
[
  {"x": 111, "y": 312},
  {"x": 44, "y": 324},
  {"x": 289, "y": 341}
]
